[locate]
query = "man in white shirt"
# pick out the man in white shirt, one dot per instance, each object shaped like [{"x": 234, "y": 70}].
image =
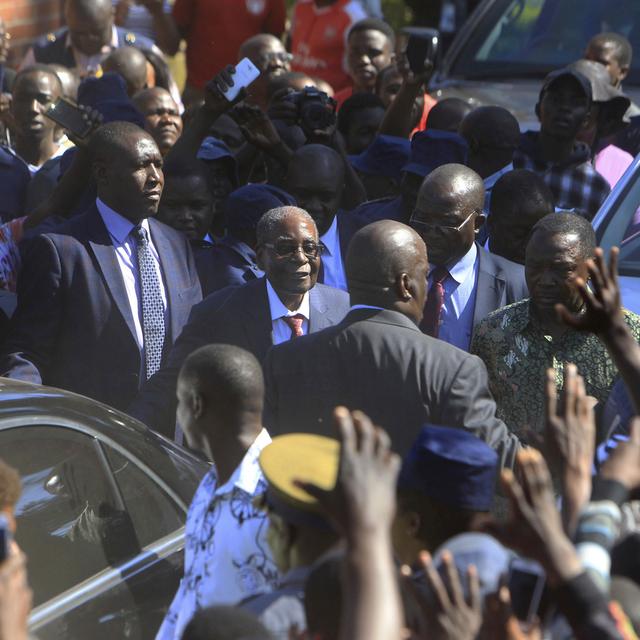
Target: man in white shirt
[
  {"x": 103, "y": 297},
  {"x": 465, "y": 282},
  {"x": 220, "y": 394},
  {"x": 316, "y": 179},
  {"x": 283, "y": 305}
]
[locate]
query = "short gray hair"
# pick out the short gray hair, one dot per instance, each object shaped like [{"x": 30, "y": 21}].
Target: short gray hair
[{"x": 272, "y": 219}]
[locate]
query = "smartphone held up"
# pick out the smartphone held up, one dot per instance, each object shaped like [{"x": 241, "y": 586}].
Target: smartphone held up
[
  {"x": 70, "y": 117},
  {"x": 422, "y": 50}
]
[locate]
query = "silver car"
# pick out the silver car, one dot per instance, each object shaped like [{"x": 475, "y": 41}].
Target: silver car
[{"x": 101, "y": 516}]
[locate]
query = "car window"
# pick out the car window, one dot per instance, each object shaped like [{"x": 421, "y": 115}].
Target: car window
[
  {"x": 517, "y": 36},
  {"x": 153, "y": 513},
  {"x": 71, "y": 521}
]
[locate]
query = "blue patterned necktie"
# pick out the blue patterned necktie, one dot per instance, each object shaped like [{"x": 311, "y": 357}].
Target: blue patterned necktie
[{"x": 153, "y": 328}]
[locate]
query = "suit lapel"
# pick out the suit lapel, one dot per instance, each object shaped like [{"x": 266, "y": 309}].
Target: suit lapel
[
  {"x": 490, "y": 290},
  {"x": 254, "y": 314},
  {"x": 172, "y": 284},
  {"x": 100, "y": 244},
  {"x": 318, "y": 308}
]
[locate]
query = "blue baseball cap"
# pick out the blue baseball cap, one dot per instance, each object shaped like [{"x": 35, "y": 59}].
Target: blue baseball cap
[
  {"x": 213, "y": 149},
  {"x": 432, "y": 148},
  {"x": 451, "y": 466},
  {"x": 246, "y": 205},
  {"x": 385, "y": 156}
]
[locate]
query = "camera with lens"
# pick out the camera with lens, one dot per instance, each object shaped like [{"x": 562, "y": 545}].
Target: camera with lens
[{"x": 316, "y": 110}]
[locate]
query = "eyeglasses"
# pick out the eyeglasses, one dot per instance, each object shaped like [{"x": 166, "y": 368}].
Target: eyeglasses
[
  {"x": 422, "y": 226},
  {"x": 287, "y": 248}
]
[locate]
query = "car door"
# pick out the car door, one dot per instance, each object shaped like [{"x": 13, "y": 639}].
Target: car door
[{"x": 103, "y": 539}]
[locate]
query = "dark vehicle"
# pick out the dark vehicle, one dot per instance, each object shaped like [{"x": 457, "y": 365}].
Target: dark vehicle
[
  {"x": 507, "y": 47},
  {"x": 101, "y": 516}
]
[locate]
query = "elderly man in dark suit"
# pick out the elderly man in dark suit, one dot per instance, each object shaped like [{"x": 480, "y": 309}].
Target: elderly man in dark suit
[
  {"x": 466, "y": 283},
  {"x": 377, "y": 359},
  {"x": 285, "y": 304},
  {"x": 102, "y": 297}
]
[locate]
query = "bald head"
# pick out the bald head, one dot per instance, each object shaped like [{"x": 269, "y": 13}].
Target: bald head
[
  {"x": 452, "y": 185},
  {"x": 386, "y": 266},
  {"x": 131, "y": 64},
  {"x": 258, "y": 45},
  {"x": 315, "y": 179}
]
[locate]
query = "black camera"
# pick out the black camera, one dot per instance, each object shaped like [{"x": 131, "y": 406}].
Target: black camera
[{"x": 316, "y": 110}]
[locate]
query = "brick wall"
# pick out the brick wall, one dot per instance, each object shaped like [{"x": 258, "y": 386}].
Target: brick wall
[{"x": 28, "y": 19}]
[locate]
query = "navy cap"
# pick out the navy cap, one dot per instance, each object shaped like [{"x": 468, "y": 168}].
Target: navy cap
[
  {"x": 213, "y": 149},
  {"x": 451, "y": 466},
  {"x": 246, "y": 205},
  {"x": 567, "y": 72},
  {"x": 432, "y": 148},
  {"x": 490, "y": 558},
  {"x": 108, "y": 95},
  {"x": 385, "y": 156}
]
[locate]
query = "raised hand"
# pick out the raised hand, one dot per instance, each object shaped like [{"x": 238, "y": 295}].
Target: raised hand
[
  {"x": 451, "y": 616},
  {"x": 363, "y": 500},
  {"x": 256, "y": 127},
  {"x": 501, "y": 624},
  {"x": 602, "y": 307},
  {"x": 623, "y": 464},
  {"x": 15, "y": 598},
  {"x": 93, "y": 118},
  {"x": 570, "y": 437},
  {"x": 411, "y": 78},
  {"x": 215, "y": 89},
  {"x": 534, "y": 527}
]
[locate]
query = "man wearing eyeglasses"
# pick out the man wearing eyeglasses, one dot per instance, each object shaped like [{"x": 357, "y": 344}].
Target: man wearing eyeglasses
[
  {"x": 465, "y": 282},
  {"x": 284, "y": 305}
]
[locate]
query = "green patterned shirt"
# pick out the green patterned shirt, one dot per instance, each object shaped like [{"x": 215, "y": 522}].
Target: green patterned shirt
[{"x": 517, "y": 353}]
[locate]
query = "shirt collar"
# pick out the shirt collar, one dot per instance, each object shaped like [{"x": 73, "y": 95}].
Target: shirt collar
[
  {"x": 118, "y": 226},
  {"x": 464, "y": 267},
  {"x": 330, "y": 238},
  {"x": 247, "y": 474},
  {"x": 277, "y": 308},
  {"x": 490, "y": 182},
  {"x": 354, "y": 307}
]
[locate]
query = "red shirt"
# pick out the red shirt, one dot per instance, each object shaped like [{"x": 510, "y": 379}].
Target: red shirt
[
  {"x": 319, "y": 39},
  {"x": 215, "y": 29}
]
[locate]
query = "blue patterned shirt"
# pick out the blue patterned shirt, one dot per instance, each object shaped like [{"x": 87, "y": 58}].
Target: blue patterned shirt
[{"x": 226, "y": 556}]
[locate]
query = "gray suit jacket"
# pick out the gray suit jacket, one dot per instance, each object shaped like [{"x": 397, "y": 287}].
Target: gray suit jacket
[
  {"x": 500, "y": 282},
  {"x": 237, "y": 315},
  {"x": 379, "y": 361}
]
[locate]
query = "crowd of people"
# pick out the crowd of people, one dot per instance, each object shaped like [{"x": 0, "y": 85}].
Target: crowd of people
[{"x": 382, "y": 317}]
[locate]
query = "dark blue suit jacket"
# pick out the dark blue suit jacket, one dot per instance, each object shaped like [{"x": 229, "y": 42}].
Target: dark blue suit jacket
[
  {"x": 73, "y": 326},
  {"x": 500, "y": 282},
  {"x": 236, "y": 315}
]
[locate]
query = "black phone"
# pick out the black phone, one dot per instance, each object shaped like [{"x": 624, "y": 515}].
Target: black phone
[
  {"x": 422, "y": 48},
  {"x": 526, "y": 585},
  {"x": 5, "y": 538},
  {"x": 69, "y": 116}
]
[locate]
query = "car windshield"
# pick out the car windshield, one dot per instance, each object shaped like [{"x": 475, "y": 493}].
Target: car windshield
[{"x": 520, "y": 38}]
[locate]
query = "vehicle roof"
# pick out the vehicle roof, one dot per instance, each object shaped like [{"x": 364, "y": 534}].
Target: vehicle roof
[{"x": 22, "y": 399}]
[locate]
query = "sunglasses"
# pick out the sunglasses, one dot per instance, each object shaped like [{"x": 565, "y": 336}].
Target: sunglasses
[
  {"x": 287, "y": 248},
  {"x": 423, "y": 227}
]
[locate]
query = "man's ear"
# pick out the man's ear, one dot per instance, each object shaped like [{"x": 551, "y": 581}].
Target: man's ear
[
  {"x": 537, "y": 110},
  {"x": 586, "y": 120},
  {"x": 624, "y": 72},
  {"x": 412, "y": 523},
  {"x": 260, "y": 257},
  {"x": 404, "y": 287},
  {"x": 99, "y": 170},
  {"x": 197, "y": 405},
  {"x": 479, "y": 221}
]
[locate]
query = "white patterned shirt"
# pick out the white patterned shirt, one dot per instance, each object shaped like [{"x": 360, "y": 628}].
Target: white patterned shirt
[{"x": 226, "y": 556}]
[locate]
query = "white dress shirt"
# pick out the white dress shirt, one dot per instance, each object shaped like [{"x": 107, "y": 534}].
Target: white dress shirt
[
  {"x": 456, "y": 319},
  {"x": 226, "y": 555},
  {"x": 281, "y": 330},
  {"x": 124, "y": 243},
  {"x": 334, "y": 274}
]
